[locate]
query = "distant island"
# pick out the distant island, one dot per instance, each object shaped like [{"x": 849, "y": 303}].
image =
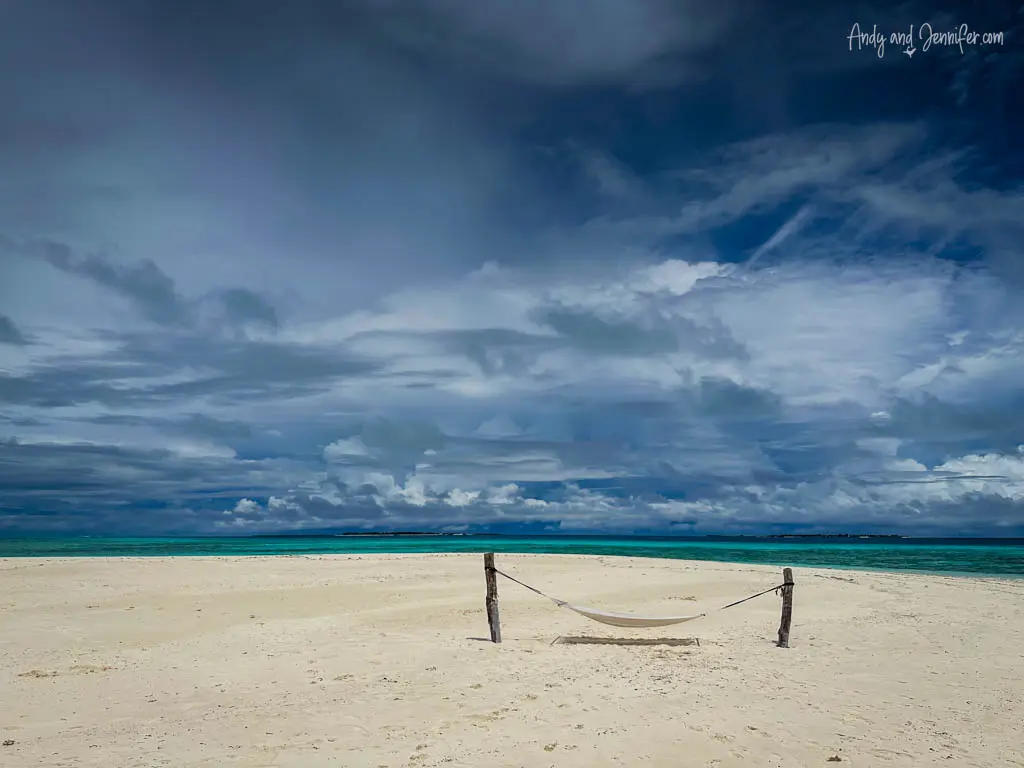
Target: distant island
[
  {"x": 712, "y": 537},
  {"x": 828, "y": 536},
  {"x": 336, "y": 534},
  {"x": 399, "y": 533}
]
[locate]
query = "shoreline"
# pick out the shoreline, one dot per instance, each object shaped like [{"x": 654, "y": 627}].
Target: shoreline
[{"x": 991, "y": 576}]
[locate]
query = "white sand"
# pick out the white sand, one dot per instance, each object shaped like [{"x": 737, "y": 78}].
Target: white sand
[{"x": 377, "y": 661}]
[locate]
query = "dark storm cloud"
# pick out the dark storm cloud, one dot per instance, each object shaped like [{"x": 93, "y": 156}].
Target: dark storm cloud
[
  {"x": 569, "y": 43},
  {"x": 153, "y": 293},
  {"x": 194, "y": 425},
  {"x": 10, "y": 333},
  {"x": 937, "y": 429},
  {"x": 144, "y": 284},
  {"x": 567, "y": 327},
  {"x": 596, "y": 334},
  {"x": 649, "y": 336},
  {"x": 242, "y": 307},
  {"x": 494, "y": 350},
  {"x": 727, "y": 400},
  {"x": 232, "y": 371},
  {"x": 84, "y": 470},
  {"x": 93, "y": 487}
]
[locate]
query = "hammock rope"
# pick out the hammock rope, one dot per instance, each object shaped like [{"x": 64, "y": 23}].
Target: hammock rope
[
  {"x": 554, "y": 600},
  {"x": 626, "y": 620},
  {"x": 772, "y": 589}
]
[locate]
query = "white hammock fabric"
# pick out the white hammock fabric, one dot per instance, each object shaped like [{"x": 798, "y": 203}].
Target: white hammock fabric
[{"x": 628, "y": 619}]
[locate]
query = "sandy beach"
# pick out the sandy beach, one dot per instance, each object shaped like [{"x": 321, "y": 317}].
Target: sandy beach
[{"x": 383, "y": 661}]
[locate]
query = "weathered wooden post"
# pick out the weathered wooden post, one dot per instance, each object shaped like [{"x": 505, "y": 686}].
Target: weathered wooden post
[
  {"x": 492, "y": 598},
  {"x": 787, "y": 607}
]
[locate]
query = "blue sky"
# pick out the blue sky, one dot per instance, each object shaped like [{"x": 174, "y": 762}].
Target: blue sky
[{"x": 656, "y": 266}]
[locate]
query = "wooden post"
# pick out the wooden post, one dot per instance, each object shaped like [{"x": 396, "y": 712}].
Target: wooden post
[
  {"x": 787, "y": 607},
  {"x": 492, "y": 598}
]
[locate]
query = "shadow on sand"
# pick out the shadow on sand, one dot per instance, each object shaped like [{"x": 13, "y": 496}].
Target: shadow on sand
[{"x": 585, "y": 640}]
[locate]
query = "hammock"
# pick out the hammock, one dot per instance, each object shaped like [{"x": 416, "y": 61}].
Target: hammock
[{"x": 629, "y": 619}]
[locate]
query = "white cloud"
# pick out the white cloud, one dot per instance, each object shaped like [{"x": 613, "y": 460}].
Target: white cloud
[
  {"x": 341, "y": 450},
  {"x": 247, "y": 507}
]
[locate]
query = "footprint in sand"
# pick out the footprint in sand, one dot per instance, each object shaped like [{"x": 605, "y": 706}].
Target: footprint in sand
[{"x": 78, "y": 669}]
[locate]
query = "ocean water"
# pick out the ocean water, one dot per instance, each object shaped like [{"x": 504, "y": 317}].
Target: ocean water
[{"x": 988, "y": 557}]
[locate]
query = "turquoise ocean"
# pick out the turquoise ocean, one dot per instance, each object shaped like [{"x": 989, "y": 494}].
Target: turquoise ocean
[{"x": 979, "y": 557}]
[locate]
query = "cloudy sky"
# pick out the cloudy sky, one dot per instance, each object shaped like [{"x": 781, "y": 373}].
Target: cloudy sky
[{"x": 674, "y": 266}]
